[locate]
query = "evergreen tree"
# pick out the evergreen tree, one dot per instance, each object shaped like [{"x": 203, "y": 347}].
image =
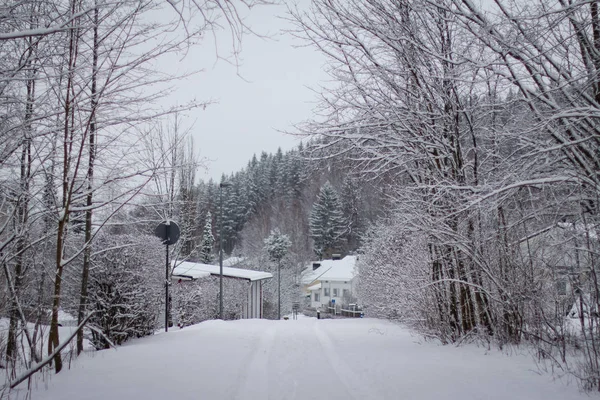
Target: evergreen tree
[
  {"x": 276, "y": 173},
  {"x": 352, "y": 208},
  {"x": 293, "y": 183},
  {"x": 326, "y": 221},
  {"x": 231, "y": 201},
  {"x": 252, "y": 186},
  {"x": 263, "y": 177},
  {"x": 208, "y": 240}
]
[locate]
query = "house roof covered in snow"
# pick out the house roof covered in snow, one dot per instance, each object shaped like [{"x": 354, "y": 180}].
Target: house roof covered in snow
[
  {"x": 198, "y": 270},
  {"x": 314, "y": 287},
  {"x": 332, "y": 270}
]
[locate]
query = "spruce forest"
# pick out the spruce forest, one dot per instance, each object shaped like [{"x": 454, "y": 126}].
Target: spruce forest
[{"x": 457, "y": 153}]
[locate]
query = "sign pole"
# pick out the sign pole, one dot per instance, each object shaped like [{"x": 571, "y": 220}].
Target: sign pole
[
  {"x": 167, "y": 290},
  {"x": 169, "y": 232}
]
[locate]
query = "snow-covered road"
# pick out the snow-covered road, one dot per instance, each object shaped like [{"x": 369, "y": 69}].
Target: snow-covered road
[{"x": 305, "y": 359}]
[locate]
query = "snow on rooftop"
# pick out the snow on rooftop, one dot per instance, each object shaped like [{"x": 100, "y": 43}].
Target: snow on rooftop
[
  {"x": 194, "y": 270},
  {"x": 333, "y": 270},
  {"x": 307, "y": 275},
  {"x": 314, "y": 287},
  {"x": 192, "y": 273}
]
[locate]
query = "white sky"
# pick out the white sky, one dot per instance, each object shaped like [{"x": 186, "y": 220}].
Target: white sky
[{"x": 273, "y": 93}]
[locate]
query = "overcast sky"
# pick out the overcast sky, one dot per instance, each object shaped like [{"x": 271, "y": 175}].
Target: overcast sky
[{"x": 273, "y": 93}]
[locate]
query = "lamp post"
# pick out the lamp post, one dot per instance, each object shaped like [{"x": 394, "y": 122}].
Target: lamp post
[
  {"x": 279, "y": 290},
  {"x": 221, "y": 186}
]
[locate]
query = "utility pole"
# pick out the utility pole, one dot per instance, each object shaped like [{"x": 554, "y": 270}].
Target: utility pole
[
  {"x": 221, "y": 186},
  {"x": 279, "y": 289}
]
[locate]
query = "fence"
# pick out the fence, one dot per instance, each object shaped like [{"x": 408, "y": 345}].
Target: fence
[{"x": 349, "y": 310}]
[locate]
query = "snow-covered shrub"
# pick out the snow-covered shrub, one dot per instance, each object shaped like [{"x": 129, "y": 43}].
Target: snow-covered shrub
[
  {"x": 125, "y": 287},
  {"x": 235, "y": 295},
  {"x": 393, "y": 274},
  {"x": 194, "y": 301},
  {"x": 198, "y": 300}
]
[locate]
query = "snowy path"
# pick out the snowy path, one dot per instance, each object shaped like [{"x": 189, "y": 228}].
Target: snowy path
[{"x": 305, "y": 359}]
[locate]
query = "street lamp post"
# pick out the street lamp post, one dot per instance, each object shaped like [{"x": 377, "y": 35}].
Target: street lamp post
[
  {"x": 221, "y": 186},
  {"x": 279, "y": 290}
]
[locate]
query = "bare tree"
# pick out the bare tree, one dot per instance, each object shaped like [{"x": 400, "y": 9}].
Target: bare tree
[
  {"x": 77, "y": 91},
  {"x": 482, "y": 125}
]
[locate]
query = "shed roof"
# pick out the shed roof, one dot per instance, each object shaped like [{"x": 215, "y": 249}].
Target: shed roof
[
  {"x": 198, "y": 270},
  {"x": 190, "y": 275},
  {"x": 314, "y": 287}
]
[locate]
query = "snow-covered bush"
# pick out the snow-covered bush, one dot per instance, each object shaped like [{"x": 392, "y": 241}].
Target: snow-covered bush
[
  {"x": 125, "y": 288},
  {"x": 198, "y": 300},
  {"x": 393, "y": 273},
  {"x": 194, "y": 301}
]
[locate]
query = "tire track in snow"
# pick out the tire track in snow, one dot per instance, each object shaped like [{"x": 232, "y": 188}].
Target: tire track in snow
[
  {"x": 291, "y": 373},
  {"x": 254, "y": 381},
  {"x": 355, "y": 384}
]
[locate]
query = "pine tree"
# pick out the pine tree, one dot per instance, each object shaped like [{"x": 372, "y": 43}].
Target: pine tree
[
  {"x": 293, "y": 183},
  {"x": 208, "y": 240},
  {"x": 326, "y": 221},
  {"x": 352, "y": 208},
  {"x": 276, "y": 173},
  {"x": 231, "y": 200},
  {"x": 252, "y": 186}
]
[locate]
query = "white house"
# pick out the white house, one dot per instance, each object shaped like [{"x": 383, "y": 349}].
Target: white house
[
  {"x": 331, "y": 280},
  {"x": 252, "y": 306}
]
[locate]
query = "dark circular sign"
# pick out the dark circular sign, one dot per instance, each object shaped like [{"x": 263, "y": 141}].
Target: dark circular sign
[{"x": 168, "y": 231}]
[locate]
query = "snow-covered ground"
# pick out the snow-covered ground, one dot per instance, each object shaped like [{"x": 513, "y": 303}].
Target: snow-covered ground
[
  {"x": 67, "y": 326},
  {"x": 301, "y": 359}
]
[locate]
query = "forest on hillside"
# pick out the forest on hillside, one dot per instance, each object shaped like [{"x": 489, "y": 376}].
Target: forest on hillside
[
  {"x": 316, "y": 203},
  {"x": 457, "y": 151}
]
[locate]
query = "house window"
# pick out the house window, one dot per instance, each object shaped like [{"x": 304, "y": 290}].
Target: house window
[
  {"x": 317, "y": 297},
  {"x": 326, "y": 292},
  {"x": 346, "y": 293},
  {"x": 335, "y": 292}
]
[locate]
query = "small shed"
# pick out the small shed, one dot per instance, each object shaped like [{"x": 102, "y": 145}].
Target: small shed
[{"x": 253, "y": 305}]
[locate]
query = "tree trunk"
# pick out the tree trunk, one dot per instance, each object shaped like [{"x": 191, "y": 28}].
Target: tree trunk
[
  {"x": 87, "y": 252},
  {"x": 21, "y": 220},
  {"x": 53, "y": 336}
]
